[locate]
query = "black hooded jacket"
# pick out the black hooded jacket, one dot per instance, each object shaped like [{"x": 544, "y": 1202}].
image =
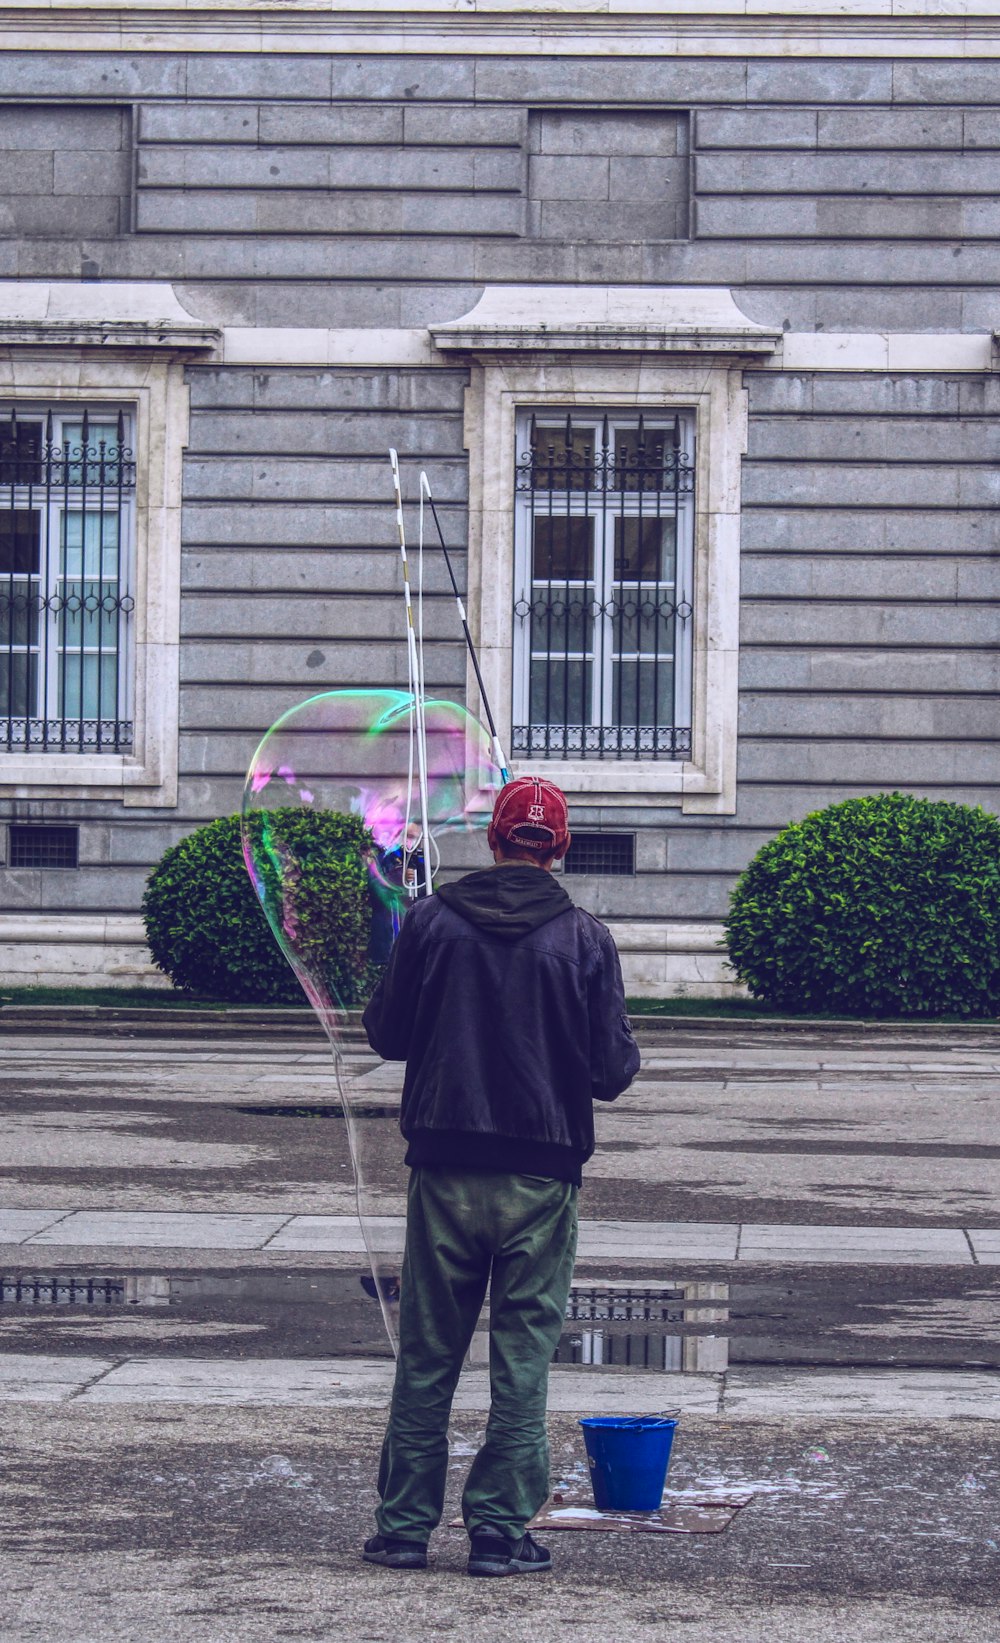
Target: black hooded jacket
[{"x": 506, "y": 1003}]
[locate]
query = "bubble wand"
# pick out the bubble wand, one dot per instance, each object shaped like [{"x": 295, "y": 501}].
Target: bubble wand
[
  {"x": 416, "y": 688},
  {"x": 498, "y": 752}
]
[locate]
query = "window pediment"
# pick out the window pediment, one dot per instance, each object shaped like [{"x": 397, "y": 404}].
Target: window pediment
[
  {"x": 72, "y": 314},
  {"x": 670, "y": 319}
]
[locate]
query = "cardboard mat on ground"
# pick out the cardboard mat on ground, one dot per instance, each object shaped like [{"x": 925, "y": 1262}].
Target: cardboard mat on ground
[{"x": 686, "y": 1512}]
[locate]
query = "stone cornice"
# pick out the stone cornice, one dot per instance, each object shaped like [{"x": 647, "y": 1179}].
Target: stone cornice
[
  {"x": 816, "y": 13},
  {"x": 603, "y": 319},
  {"x": 139, "y": 316},
  {"x": 905, "y": 29},
  {"x": 107, "y": 338}
]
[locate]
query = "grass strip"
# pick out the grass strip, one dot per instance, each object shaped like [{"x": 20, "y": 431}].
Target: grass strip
[{"x": 128, "y": 998}]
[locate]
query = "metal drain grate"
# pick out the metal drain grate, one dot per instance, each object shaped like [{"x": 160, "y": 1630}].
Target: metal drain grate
[{"x": 601, "y": 854}]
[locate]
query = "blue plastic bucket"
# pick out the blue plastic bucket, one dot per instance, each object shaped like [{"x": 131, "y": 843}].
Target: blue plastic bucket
[{"x": 628, "y": 1456}]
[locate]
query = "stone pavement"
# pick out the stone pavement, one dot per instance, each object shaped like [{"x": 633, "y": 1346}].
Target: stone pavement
[
  {"x": 220, "y": 1525},
  {"x": 356, "y": 1383},
  {"x": 199, "y": 1466},
  {"x": 30, "y": 1229}
]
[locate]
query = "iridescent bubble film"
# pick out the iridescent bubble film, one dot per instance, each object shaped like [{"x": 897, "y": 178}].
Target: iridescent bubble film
[{"x": 334, "y": 844}]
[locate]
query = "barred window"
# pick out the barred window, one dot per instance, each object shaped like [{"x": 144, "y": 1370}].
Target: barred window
[
  {"x": 604, "y": 550},
  {"x": 67, "y": 491}
]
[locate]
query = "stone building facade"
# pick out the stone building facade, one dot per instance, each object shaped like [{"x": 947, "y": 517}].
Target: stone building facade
[{"x": 688, "y": 316}]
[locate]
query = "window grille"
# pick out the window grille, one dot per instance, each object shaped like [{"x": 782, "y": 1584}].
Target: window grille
[
  {"x": 604, "y": 551},
  {"x": 67, "y": 487},
  {"x": 601, "y": 853},
  {"x": 43, "y": 846}
]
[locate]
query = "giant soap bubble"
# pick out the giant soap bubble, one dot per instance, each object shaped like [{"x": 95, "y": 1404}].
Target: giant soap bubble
[{"x": 353, "y": 753}]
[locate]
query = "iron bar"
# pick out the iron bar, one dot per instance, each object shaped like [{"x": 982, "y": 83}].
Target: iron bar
[
  {"x": 67, "y": 479},
  {"x": 607, "y": 496}
]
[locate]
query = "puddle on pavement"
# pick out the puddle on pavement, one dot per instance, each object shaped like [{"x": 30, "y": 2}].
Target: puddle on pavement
[
  {"x": 668, "y": 1327},
  {"x": 674, "y": 1326},
  {"x": 325, "y": 1109}
]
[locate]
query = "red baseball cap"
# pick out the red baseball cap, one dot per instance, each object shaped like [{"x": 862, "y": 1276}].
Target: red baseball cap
[{"x": 530, "y": 813}]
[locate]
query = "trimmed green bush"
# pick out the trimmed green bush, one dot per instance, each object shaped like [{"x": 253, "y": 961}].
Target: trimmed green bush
[
  {"x": 207, "y": 930},
  {"x": 881, "y": 906}
]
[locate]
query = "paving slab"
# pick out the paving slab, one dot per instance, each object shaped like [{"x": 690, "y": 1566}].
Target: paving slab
[
  {"x": 322, "y": 1382},
  {"x": 857, "y": 1394},
  {"x": 360, "y": 1383},
  {"x": 658, "y": 1240},
  {"x": 986, "y": 1245},
  {"x": 574, "y": 1391},
  {"x": 157, "y": 1229},
  {"x": 599, "y": 1239},
  {"x": 340, "y": 1233},
  {"x": 764, "y": 1394},
  {"x": 154, "y": 1122},
  {"x": 917, "y": 1246},
  {"x": 35, "y": 1377},
  {"x": 18, "y": 1224},
  {"x": 354, "y": 1382}
]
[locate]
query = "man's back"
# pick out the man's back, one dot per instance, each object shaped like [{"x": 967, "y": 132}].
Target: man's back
[{"x": 506, "y": 1003}]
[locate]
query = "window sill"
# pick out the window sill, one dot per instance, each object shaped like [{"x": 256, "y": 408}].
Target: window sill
[
  {"x": 623, "y": 779},
  {"x": 83, "y": 776}
]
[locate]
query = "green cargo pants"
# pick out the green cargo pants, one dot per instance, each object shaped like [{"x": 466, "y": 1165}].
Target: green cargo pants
[{"x": 465, "y": 1229}]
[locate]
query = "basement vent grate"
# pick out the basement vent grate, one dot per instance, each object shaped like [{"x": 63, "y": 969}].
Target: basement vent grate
[
  {"x": 43, "y": 846},
  {"x": 601, "y": 854}
]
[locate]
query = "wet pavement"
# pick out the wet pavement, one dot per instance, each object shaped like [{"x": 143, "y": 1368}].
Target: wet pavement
[
  {"x": 853, "y": 1316},
  {"x": 795, "y": 1237},
  {"x": 896, "y": 1130},
  {"x": 220, "y": 1524}
]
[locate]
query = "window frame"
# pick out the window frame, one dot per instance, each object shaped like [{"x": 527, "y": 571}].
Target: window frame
[
  {"x": 117, "y": 344},
  {"x": 153, "y": 393},
  {"x": 612, "y": 739},
  {"x": 56, "y": 504},
  {"x": 712, "y": 392}
]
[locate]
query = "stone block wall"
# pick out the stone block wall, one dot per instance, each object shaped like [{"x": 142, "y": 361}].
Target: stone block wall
[
  {"x": 320, "y": 191},
  {"x": 619, "y": 178},
  {"x": 310, "y": 191},
  {"x": 65, "y": 171}
]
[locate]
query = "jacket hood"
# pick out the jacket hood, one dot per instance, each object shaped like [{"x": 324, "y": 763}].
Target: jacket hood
[{"x": 508, "y": 902}]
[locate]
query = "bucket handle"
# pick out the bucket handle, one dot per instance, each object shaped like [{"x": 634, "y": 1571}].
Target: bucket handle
[{"x": 664, "y": 1415}]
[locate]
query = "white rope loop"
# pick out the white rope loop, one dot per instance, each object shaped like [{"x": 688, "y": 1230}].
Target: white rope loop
[{"x": 417, "y": 726}]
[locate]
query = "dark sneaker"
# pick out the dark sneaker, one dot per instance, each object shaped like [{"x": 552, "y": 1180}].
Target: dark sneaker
[
  {"x": 492, "y": 1554},
  {"x": 395, "y": 1554}
]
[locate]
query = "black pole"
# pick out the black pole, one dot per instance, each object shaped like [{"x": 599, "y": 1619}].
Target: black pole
[{"x": 498, "y": 751}]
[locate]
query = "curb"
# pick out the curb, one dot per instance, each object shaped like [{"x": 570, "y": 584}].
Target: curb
[{"x": 101, "y": 1020}]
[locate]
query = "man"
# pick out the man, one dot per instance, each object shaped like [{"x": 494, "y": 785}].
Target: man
[{"x": 506, "y": 1003}]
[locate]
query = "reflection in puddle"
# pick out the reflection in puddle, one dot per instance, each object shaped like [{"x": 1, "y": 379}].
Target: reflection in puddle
[
  {"x": 73, "y": 1291},
  {"x": 324, "y": 1109},
  {"x": 664, "y": 1327},
  {"x": 949, "y": 1318}
]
